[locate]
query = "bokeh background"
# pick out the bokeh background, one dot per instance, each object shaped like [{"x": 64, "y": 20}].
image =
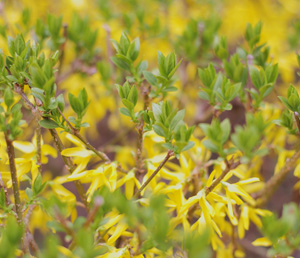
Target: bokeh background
[{"x": 161, "y": 24}]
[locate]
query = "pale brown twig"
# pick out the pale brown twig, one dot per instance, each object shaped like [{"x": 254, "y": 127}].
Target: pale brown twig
[
  {"x": 14, "y": 179},
  {"x": 168, "y": 156},
  {"x": 274, "y": 182},
  {"x": 229, "y": 166}
]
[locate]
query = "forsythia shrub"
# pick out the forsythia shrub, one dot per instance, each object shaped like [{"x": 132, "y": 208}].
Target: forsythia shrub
[{"x": 138, "y": 129}]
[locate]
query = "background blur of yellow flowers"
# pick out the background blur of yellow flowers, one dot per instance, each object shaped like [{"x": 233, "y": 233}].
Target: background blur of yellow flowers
[{"x": 214, "y": 200}]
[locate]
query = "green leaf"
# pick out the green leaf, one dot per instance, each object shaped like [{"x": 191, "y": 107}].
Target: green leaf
[
  {"x": 170, "y": 63},
  {"x": 38, "y": 77},
  {"x": 134, "y": 49},
  {"x": 19, "y": 44},
  {"x": 127, "y": 103},
  {"x": 189, "y": 145},
  {"x": 159, "y": 130},
  {"x": 177, "y": 118},
  {"x": 133, "y": 95},
  {"x": 47, "y": 123},
  {"x": 294, "y": 102},
  {"x": 285, "y": 102},
  {"x": 156, "y": 108},
  {"x": 150, "y": 78},
  {"x": 61, "y": 102},
  {"x": 161, "y": 64},
  {"x": 11, "y": 45},
  {"x": 255, "y": 77},
  {"x": 120, "y": 63},
  {"x": 8, "y": 97},
  {"x": 124, "y": 43},
  {"x": 125, "y": 111},
  {"x": 29, "y": 193},
  {"x": 85, "y": 125},
  {"x": 226, "y": 129},
  {"x": 174, "y": 69},
  {"x": 211, "y": 146},
  {"x": 116, "y": 45},
  {"x": 75, "y": 104},
  {"x": 82, "y": 97},
  {"x": 272, "y": 73},
  {"x": 37, "y": 184}
]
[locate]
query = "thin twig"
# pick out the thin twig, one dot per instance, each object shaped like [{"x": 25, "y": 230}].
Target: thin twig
[
  {"x": 275, "y": 181},
  {"x": 109, "y": 49},
  {"x": 140, "y": 147},
  {"x": 38, "y": 143},
  {"x": 7, "y": 200},
  {"x": 119, "y": 135},
  {"x": 62, "y": 48},
  {"x": 249, "y": 83},
  {"x": 59, "y": 145},
  {"x": 100, "y": 154},
  {"x": 64, "y": 224},
  {"x": 229, "y": 166},
  {"x": 28, "y": 235},
  {"x": 18, "y": 90},
  {"x": 168, "y": 156},
  {"x": 14, "y": 179},
  {"x": 257, "y": 251},
  {"x": 70, "y": 166},
  {"x": 96, "y": 205},
  {"x": 296, "y": 115},
  {"x": 140, "y": 130}
]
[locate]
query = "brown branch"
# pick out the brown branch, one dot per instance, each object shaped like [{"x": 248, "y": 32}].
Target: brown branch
[
  {"x": 249, "y": 84},
  {"x": 76, "y": 66},
  {"x": 100, "y": 154},
  {"x": 7, "y": 200},
  {"x": 109, "y": 49},
  {"x": 70, "y": 166},
  {"x": 14, "y": 179},
  {"x": 274, "y": 182},
  {"x": 119, "y": 136},
  {"x": 62, "y": 48},
  {"x": 140, "y": 130},
  {"x": 59, "y": 145},
  {"x": 38, "y": 140},
  {"x": 19, "y": 90},
  {"x": 64, "y": 224},
  {"x": 229, "y": 166},
  {"x": 168, "y": 156},
  {"x": 96, "y": 205},
  {"x": 257, "y": 251},
  {"x": 296, "y": 115},
  {"x": 29, "y": 239},
  {"x": 140, "y": 147}
]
